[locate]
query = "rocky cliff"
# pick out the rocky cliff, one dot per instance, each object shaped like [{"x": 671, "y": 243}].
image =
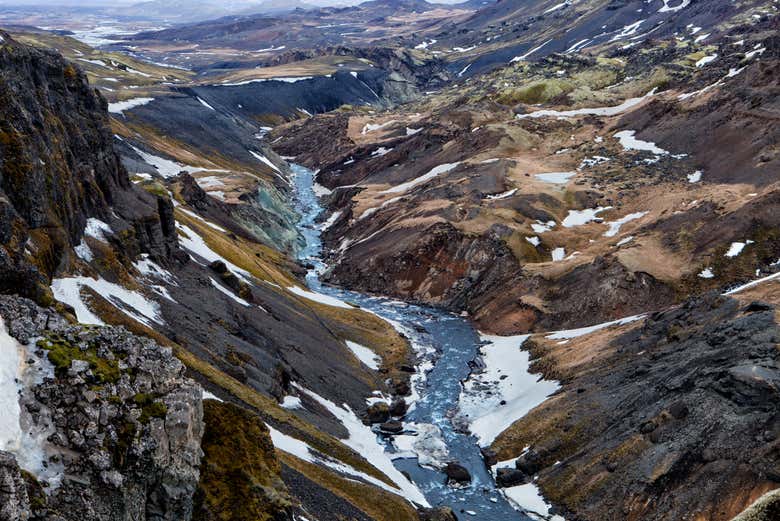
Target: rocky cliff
[
  {"x": 112, "y": 427},
  {"x": 58, "y": 168}
]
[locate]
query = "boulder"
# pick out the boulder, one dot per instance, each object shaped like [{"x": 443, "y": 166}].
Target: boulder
[
  {"x": 378, "y": 412},
  {"x": 529, "y": 463},
  {"x": 457, "y": 474},
  {"x": 509, "y": 477},
  {"x": 392, "y": 426}
]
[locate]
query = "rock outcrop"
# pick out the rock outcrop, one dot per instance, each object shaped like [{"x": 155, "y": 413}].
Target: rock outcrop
[
  {"x": 58, "y": 168},
  {"x": 113, "y": 420}
]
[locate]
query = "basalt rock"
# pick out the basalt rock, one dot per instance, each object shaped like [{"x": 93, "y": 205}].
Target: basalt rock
[
  {"x": 58, "y": 168},
  {"x": 115, "y": 425},
  {"x": 457, "y": 474}
]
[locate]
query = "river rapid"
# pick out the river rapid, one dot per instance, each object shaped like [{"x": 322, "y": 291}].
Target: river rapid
[{"x": 446, "y": 344}]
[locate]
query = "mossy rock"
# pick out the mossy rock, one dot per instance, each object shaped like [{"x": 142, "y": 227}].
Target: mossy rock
[
  {"x": 62, "y": 352},
  {"x": 239, "y": 478},
  {"x": 535, "y": 92}
]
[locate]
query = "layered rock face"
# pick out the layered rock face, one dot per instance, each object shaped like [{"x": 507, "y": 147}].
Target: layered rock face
[
  {"x": 112, "y": 425},
  {"x": 677, "y": 415},
  {"x": 58, "y": 168}
]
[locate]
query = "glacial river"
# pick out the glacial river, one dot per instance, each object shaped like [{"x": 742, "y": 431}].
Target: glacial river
[{"x": 447, "y": 343}]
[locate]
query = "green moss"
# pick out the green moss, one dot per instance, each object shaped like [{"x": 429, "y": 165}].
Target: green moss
[
  {"x": 239, "y": 478},
  {"x": 61, "y": 353},
  {"x": 539, "y": 91},
  {"x": 152, "y": 410},
  {"x": 35, "y": 491}
]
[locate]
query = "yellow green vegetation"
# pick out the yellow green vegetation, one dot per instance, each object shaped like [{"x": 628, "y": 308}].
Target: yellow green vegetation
[
  {"x": 239, "y": 477},
  {"x": 261, "y": 261},
  {"x": 62, "y": 352},
  {"x": 539, "y": 91},
  {"x": 270, "y": 412},
  {"x": 377, "y": 503},
  {"x": 150, "y": 407}
]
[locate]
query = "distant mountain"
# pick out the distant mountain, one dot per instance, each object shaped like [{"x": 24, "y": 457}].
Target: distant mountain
[{"x": 185, "y": 11}]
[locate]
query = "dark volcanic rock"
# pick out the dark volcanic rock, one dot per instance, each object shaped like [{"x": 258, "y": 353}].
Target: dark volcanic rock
[
  {"x": 378, "y": 412},
  {"x": 687, "y": 417},
  {"x": 457, "y": 474},
  {"x": 509, "y": 477},
  {"x": 392, "y": 426},
  {"x": 52, "y": 181}
]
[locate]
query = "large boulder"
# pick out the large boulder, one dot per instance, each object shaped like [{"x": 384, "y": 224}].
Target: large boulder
[{"x": 116, "y": 425}]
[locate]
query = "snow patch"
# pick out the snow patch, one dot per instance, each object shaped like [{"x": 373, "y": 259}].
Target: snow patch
[
  {"x": 319, "y": 297},
  {"x": 368, "y": 357},
  {"x": 629, "y": 142},
  {"x": 580, "y": 217},
  {"x": 363, "y": 441},
  {"x": 121, "y": 106},
  {"x": 132, "y": 303},
  {"x": 435, "y": 172},
  {"x": 614, "y": 226},
  {"x": 506, "y": 377},
  {"x": 556, "y": 177}
]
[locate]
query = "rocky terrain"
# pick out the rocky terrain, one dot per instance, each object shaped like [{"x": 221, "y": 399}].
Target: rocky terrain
[{"x": 535, "y": 169}]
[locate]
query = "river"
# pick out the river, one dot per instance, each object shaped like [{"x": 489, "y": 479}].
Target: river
[{"x": 445, "y": 342}]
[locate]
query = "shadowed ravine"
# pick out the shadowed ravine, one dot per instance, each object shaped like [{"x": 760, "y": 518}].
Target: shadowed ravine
[{"x": 442, "y": 338}]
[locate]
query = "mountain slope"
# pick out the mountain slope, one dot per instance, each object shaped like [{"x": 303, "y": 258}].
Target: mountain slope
[{"x": 149, "y": 255}]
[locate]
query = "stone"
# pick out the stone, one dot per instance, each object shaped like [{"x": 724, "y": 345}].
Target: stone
[
  {"x": 509, "y": 477},
  {"x": 378, "y": 412},
  {"x": 457, "y": 474},
  {"x": 392, "y": 426}
]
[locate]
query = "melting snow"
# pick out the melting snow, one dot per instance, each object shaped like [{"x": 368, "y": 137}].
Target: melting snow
[
  {"x": 629, "y": 142},
  {"x": 574, "y": 333},
  {"x": 203, "y": 102},
  {"x": 10, "y": 365},
  {"x": 331, "y": 220},
  {"x": 529, "y": 53},
  {"x": 527, "y": 497},
  {"x": 736, "y": 248},
  {"x": 694, "y": 177},
  {"x": 541, "y": 227},
  {"x": 558, "y": 254},
  {"x": 291, "y": 402},
  {"x": 412, "y": 131},
  {"x": 580, "y": 217},
  {"x": 753, "y": 283},
  {"x": 614, "y": 226},
  {"x": 365, "y": 355},
  {"x": 229, "y": 293},
  {"x": 129, "y": 302},
  {"x": 507, "y": 377},
  {"x": 667, "y": 8},
  {"x": 707, "y": 59},
  {"x": 503, "y": 195},
  {"x": 625, "y": 240},
  {"x": 533, "y": 240},
  {"x": 121, "y": 106},
  {"x": 363, "y": 441},
  {"x": 288, "y": 79},
  {"x": 599, "y": 111},
  {"x": 379, "y": 152},
  {"x": 556, "y": 177},
  {"x": 194, "y": 243},
  {"x": 319, "y": 297},
  {"x": 706, "y": 273},
  {"x": 436, "y": 171},
  {"x": 427, "y": 445}
]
